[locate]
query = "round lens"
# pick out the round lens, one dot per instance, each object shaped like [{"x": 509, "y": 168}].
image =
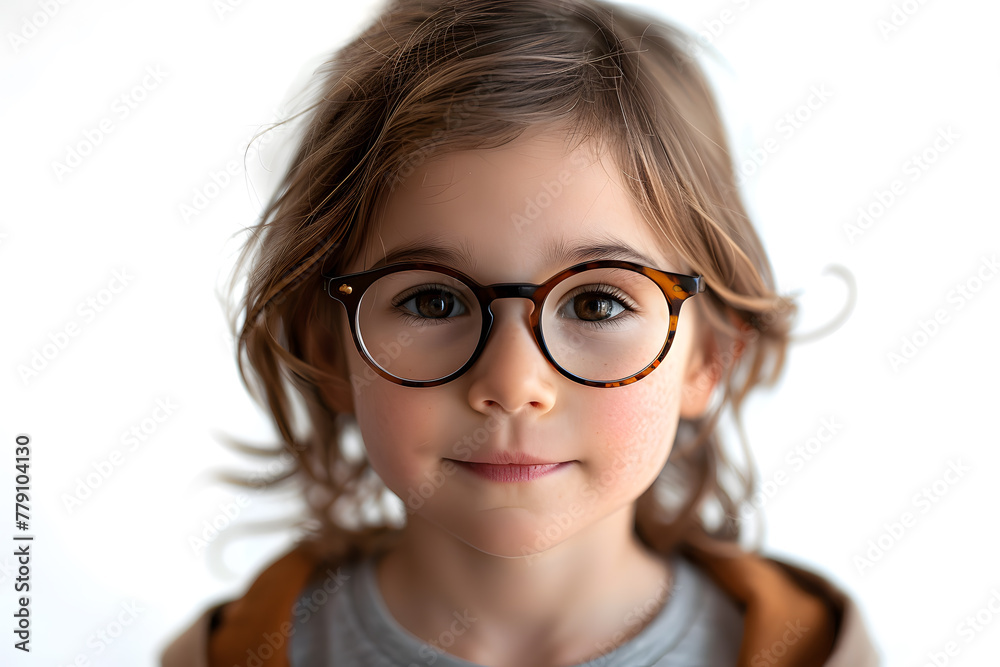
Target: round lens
[
  {"x": 605, "y": 325},
  {"x": 419, "y": 325}
]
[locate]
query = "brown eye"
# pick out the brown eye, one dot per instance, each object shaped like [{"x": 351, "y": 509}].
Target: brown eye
[
  {"x": 434, "y": 304},
  {"x": 594, "y": 307},
  {"x": 429, "y": 303},
  {"x": 598, "y": 305}
]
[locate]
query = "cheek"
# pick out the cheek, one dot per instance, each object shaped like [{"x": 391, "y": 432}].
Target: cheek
[
  {"x": 637, "y": 422},
  {"x": 397, "y": 429},
  {"x": 386, "y": 414},
  {"x": 401, "y": 427}
]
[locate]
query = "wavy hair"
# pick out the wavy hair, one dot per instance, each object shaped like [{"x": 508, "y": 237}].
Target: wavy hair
[{"x": 428, "y": 77}]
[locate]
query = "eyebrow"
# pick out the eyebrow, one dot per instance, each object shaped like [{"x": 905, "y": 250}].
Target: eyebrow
[{"x": 557, "y": 254}]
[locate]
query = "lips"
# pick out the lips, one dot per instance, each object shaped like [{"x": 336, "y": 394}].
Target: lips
[
  {"x": 516, "y": 458},
  {"x": 511, "y": 472}
]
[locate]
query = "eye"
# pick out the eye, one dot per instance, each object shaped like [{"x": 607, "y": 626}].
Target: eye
[
  {"x": 597, "y": 304},
  {"x": 430, "y": 302}
]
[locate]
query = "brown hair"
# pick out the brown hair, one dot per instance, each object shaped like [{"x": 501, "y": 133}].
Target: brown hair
[{"x": 428, "y": 77}]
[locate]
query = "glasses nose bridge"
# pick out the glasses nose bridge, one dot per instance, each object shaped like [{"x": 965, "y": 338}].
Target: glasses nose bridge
[
  {"x": 510, "y": 291},
  {"x": 493, "y": 293},
  {"x": 499, "y": 291}
]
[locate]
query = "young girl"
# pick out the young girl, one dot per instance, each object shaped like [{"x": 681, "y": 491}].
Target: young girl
[{"x": 511, "y": 253}]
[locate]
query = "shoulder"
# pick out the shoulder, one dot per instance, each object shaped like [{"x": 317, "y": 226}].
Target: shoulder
[
  {"x": 853, "y": 644},
  {"x": 259, "y": 622},
  {"x": 790, "y": 610},
  {"x": 190, "y": 648}
]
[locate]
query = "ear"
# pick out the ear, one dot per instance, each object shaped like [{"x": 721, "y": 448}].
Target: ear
[
  {"x": 702, "y": 375},
  {"x": 324, "y": 349},
  {"x": 705, "y": 368}
]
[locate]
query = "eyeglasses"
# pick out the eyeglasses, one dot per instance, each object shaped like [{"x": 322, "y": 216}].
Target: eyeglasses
[{"x": 604, "y": 323}]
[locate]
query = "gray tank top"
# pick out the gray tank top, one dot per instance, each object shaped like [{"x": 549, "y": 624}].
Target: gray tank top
[{"x": 698, "y": 626}]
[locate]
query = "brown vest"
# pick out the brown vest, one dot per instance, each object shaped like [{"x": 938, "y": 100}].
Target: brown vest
[{"x": 792, "y": 617}]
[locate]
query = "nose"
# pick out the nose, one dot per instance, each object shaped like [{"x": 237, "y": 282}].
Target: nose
[{"x": 512, "y": 375}]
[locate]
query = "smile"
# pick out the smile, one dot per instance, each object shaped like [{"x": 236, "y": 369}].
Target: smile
[{"x": 511, "y": 473}]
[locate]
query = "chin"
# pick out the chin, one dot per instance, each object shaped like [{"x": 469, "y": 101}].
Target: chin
[{"x": 511, "y": 532}]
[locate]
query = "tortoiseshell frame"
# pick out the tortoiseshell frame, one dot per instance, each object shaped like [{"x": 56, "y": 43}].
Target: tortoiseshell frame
[{"x": 349, "y": 289}]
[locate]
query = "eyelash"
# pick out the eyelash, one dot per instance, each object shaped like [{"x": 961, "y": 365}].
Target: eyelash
[
  {"x": 599, "y": 288},
  {"x": 607, "y": 290},
  {"x": 410, "y": 318}
]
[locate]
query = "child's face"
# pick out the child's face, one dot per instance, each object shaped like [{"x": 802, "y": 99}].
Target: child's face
[{"x": 498, "y": 204}]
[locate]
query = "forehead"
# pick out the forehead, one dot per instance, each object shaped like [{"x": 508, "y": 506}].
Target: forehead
[{"x": 521, "y": 212}]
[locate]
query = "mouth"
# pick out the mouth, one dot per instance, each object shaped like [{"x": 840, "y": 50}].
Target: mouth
[
  {"x": 512, "y": 457},
  {"x": 510, "y": 472}
]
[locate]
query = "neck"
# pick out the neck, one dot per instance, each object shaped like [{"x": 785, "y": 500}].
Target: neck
[{"x": 569, "y": 597}]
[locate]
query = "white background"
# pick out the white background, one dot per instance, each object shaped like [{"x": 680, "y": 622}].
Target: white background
[{"x": 223, "y": 74}]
